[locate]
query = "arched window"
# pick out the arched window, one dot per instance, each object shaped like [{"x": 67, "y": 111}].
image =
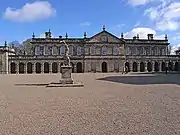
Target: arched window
[
  {"x": 79, "y": 50},
  {"x": 156, "y": 51},
  {"x": 71, "y": 50},
  {"x": 92, "y": 50},
  {"x": 46, "y": 50},
  {"x": 54, "y": 50},
  {"x": 62, "y": 50},
  {"x": 115, "y": 50},
  {"x": 142, "y": 51},
  {"x": 104, "y": 50},
  {"x": 37, "y": 50}
]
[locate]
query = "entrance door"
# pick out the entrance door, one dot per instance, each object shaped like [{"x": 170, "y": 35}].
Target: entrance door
[
  {"x": 13, "y": 68},
  {"x": 104, "y": 67},
  {"x": 142, "y": 67},
  {"x": 176, "y": 67},
  {"x": 156, "y": 67},
  {"x": 79, "y": 67},
  {"x": 163, "y": 66},
  {"x": 149, "y": 67},
  {"x": 29, "y": 68},
  {"x": 134, "y": 67},
  {"x": 38, "y": 68},
  {"x": 54, "y": 67},
  {"x": 21, "y": 68},
  {"x": 46, "y": 67}
]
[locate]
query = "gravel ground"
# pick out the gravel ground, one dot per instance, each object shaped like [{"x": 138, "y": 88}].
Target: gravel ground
[{"x": 108, "y": 104}]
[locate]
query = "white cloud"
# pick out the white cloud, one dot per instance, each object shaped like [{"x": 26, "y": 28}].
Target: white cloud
[
  {"x": 138, "y": 2},
  {"x": 166, "y": 15},
  {"x": 152, "y": 13},
  {"x": 141, "y": 31},
  {"x": 30, "y": 12},
  {"x": 86, "y": 23},
  {"x": 172, "y": 11},
  {"x": 167, "y": 25},
  {"x": 174, "y": 48}
]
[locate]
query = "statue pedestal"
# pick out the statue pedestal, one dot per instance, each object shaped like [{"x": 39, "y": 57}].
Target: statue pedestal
[
  {"x": 66, "y": 75},
  {"x": 66, "y": 79}
]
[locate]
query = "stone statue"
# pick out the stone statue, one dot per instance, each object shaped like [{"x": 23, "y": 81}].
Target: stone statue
[{"x": 66, "y": 57}]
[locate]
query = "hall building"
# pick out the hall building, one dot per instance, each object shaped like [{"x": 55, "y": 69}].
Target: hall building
[{"x": 102, "y": 52}]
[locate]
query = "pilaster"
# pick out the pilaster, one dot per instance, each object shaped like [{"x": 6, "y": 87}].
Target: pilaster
[
  {"x": 42, "y": 67},
  {"x": 50, "y": 67},
  {"x": 34, "y": 68},
  {"x": 17, "y": 68}
]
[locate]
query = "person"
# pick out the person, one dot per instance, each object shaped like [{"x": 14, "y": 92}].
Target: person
[
  {"x": 126, "y": 69},
  {"x": 166, "y": 69}
]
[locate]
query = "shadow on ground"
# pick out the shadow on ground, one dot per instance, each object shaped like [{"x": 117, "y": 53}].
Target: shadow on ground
[{"x": 139, "y": 79}]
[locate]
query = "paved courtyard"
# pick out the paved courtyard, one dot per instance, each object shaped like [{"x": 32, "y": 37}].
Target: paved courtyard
[{"x": 112, "y": 104}]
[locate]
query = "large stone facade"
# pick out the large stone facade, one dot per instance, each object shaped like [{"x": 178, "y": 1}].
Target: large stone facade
[
  {"x": 102, "y": 52},
  {"x": 4, "y": 57}
]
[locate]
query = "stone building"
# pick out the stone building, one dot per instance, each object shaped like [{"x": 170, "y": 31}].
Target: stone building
[
  {"x": 102, "y": 52},
  {"x": 5, "y": 51}
]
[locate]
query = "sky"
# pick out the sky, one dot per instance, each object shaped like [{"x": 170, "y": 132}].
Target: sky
[{"x": 20, "y": 18}]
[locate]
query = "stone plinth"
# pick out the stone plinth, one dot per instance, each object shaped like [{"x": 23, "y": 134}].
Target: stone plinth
[
  {"x": 66, "y": 75},
  {"x": 66, "y": 79}
]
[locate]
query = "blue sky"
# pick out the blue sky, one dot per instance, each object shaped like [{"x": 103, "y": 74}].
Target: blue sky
[{"x": 19, "y": 19}]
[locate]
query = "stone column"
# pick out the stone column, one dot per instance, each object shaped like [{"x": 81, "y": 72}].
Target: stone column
[
  {"x": 160, "y": 66},
  {"x": 138, "y": 66},
  {"x": 131, "y": 66},
  {"x": 50, "y": 67},
  {"x": 167, "y": 64},
  {"x": 145, "y": 67},
  {"x": 34, "y": 68},
  {"x": 42, "y": 67},
  {"x": 75, "y": 68},
  {"x": 25, "y": 68},
  {"x": 173, "y": 67},
  {"x": 9, "y": 69},
  {"x": 17, "y": 68},
  {"x": 58, "y": 64},
  {"x": 153, "y": 66}
]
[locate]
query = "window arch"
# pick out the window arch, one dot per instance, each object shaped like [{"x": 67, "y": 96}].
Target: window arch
[
  {"x": 104, "y": 50},
  {"x": 54, "y": 50},
  {"x": 62, "y": 50},
  {"x": 37, "y": 50},
  {"x": 46, "y": 50},
  {"x": 79, "y": 50},
  {"x": 71, "y": 50},
  {"x": 92, "y": 50},
  {"x": 115, "y": 50}
]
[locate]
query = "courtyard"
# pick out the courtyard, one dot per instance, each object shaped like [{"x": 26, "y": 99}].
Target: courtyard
[{"x": 109, "y": 103}]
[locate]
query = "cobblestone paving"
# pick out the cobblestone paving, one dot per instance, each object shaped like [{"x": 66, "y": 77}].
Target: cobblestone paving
[{"x": 108, "y": 104}]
